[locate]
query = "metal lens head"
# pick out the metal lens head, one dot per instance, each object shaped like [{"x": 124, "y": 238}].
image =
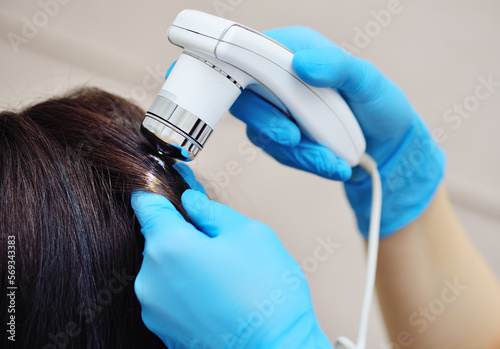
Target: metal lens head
[{"x": 174, "y": 131}]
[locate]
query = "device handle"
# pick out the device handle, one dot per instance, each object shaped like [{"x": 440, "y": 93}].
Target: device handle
[{"x": 321, "y": 113}]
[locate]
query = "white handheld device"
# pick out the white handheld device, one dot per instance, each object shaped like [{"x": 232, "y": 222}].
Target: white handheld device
[{"x": 220, "y": 59}]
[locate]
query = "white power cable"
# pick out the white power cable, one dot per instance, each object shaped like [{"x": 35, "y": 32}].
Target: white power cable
[{"x": 370, "y": 166}]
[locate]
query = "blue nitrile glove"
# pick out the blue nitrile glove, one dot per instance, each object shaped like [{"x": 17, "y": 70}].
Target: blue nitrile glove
[
  {"x": 410, "y": 162},
  {"x": 188, "y": 175},
  {"x": 226, "y": 282}
]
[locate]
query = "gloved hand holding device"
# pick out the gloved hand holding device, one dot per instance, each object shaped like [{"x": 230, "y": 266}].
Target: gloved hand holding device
[
  {"x": 411, "y": 164},
  {"x": 226, "y": 281}
]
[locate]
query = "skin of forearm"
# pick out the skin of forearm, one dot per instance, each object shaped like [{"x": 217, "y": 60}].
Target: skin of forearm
[{"x": 434, "y": 288}]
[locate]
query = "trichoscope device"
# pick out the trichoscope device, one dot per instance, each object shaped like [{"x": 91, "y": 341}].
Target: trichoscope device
[{"x": 220, "y": 58}]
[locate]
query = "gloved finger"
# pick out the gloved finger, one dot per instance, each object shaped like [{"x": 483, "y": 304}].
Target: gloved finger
[
  {"x": 298, "y": 38},
  {"x": 158, "y": 217},
  {"x": 307, "y": 156},
  {"x": 330, "y": 66},
  {"x": 188, "y": 175},
  {"x": 261, "y": 115},
  {"x": 210, "y": 216}
]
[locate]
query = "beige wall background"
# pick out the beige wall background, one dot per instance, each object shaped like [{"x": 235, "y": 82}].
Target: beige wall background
[{"x": 437, "y": 51}]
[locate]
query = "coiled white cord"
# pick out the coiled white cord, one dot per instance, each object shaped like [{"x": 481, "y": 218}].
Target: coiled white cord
[{"x": 370, "y": 166}]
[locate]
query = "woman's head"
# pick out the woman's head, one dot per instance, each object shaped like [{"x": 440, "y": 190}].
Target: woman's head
[{"x": 67, "y": 168}]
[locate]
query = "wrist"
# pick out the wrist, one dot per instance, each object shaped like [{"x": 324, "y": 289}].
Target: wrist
[{"x": 410, "y": 178}]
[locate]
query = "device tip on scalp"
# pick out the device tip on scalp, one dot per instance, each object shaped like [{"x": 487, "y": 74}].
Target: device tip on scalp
[
  {"x": 172, "y": 141},
  {"x": 174, "y": 131}
]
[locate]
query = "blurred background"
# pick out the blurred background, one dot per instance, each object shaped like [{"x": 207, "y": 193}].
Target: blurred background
[{"x": 438, "y": 52}]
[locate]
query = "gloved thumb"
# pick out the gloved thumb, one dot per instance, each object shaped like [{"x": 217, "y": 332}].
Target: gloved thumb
[
  {"x": 328, "y": 67},
  {"x": 158, "y": 216},
  {"x": 210, "y": 216}
]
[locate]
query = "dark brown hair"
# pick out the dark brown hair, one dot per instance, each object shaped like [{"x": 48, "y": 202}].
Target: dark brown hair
[{"x": 67, "y": 170}]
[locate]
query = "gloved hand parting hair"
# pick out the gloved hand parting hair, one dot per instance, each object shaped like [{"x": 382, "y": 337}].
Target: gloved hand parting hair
[
  {"x": 188, "y": 175},
  {"x": 224, "y": 282},
  {"x": 411, "y": 164}
]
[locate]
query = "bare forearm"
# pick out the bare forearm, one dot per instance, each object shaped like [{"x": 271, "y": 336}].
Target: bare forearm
[{"x": 435, "y": 289}]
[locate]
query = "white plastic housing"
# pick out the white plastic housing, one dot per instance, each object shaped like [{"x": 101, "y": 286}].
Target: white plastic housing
[{"x": 200, "y": 89}]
